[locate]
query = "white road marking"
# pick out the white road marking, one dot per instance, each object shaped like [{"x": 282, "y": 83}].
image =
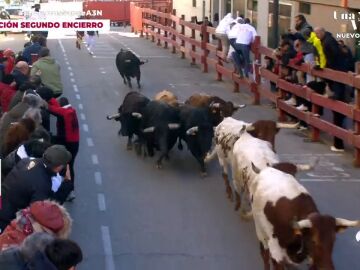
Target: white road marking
[
  {"x": 72, "y": 79},
  {"x": 103, "y": 72},
  {"x": 67, "y": 62},
  {"x": 71, "y": 74},
  {"x": 90, "y": 142},
  {"x": 101, "y": 202},
  {"x": 75, "y": 88},
  {"x": 109, "y": 258},
  {"x": 347, "y": 180},
  {"x": 116, "y": 93},
  {"x": 94, "y": 159},
  {"x": 69, "y": 68},
  {"x": 78, "y": 96},
  {"x": 81, "y": 107},
  {"x": 61, "y": 46},
  {"x": 86, "y": 127},
  {"x": 82, "y": 116},
  {"x": 98, "y": 178}
]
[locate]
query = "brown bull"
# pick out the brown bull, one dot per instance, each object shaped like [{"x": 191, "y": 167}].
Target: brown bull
[{"x": 167, "y": 97}]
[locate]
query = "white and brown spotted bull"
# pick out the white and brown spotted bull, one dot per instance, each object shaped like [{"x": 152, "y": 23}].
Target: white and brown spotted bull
[
  {"x": 218, "y": 108},
  {"x": 289, "y": 226},
  {"x": 228, "y": 132}
]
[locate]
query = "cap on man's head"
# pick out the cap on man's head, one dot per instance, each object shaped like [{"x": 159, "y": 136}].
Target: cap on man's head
[
  {"x": 44, "y": 52},
  {"x": 56, "y": 155}
]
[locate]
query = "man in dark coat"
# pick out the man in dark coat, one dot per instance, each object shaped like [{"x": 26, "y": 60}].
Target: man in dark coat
[
  {"x": 334, "y": 60},
  {"x": 34, "y": 48},
  {"x": 35, "y": 180}
]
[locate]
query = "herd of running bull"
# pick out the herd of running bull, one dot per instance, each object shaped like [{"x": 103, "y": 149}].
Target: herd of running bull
[{"x": 288, "y": 224}]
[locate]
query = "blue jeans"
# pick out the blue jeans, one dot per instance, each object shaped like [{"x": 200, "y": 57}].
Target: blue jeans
[{"x": 245, "y": 52}]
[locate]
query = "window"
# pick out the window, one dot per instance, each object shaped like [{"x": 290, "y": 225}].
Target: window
[
  {"x": 194, "y": 3},
  {"x": 305, "y": 8}
]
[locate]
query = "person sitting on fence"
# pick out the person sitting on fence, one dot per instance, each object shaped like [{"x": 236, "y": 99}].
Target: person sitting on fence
[
  {"x": 301, "y": 26},
  {"x": 320, "y": 59},
  {"x": 221, "y": 33}
]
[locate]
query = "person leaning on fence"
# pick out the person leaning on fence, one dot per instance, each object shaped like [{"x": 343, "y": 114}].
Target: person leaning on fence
[
  {"x": 33, "y": 48},
  {"x": 221, "y": 33},
  {"x": 49, "y": 71},
  {"x": 335, "y": 61}
]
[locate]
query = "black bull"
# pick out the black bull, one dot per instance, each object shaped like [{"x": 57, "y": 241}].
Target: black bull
[
  {"x": 128, "y": 65},
  {"x": 130, "y": 114}
]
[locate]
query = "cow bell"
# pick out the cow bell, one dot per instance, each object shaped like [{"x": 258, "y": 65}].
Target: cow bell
[
  {"x": 136, "y": 115},
  {"x": 110, "y": 117},
  {"x": 149, "y": 130},
  {"x": 173, "y": 126}
]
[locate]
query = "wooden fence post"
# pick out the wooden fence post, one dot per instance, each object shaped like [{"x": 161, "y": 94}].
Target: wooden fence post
[
  {"x": 193, "y": 47},
  {"x": 142, "y": 23},
  {"x": 204, "y": 41},
  {"x": 166, "y": 22},
  {"x": 356, "y": 161},
  {"x": 173, "y": 36},
  {"x": 159, "y": 29},
  {"x": 183, "y": 45},
  {"x": 256, "y": 71},
  {"x": 153, "y": 28}
]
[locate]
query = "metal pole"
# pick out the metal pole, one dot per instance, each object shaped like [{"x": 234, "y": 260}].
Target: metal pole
[
  {"x": 275, "y": 23},
  {"x": 203, "y": 10}
]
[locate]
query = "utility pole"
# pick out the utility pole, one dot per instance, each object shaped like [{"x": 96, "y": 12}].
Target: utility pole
[{"x": 275, "y": 23}]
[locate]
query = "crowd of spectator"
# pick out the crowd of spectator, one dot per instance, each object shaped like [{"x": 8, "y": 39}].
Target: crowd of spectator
[{"x": 37, "y": 163}]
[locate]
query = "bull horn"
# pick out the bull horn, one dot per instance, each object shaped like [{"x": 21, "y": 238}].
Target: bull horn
[
  {"x": 173, "y": 126},
  {"x": 215, "y": 105},
  {"x": 347, "y": 223},
  {"x": 110, "y": 117},
  {"x": 149, "y": 130},
  {"x": 250, "y": 128},
  {"x": 254, "y": 168},
  {"x": 287, "y": 125},
  {"x": 307, "y": 167},
  {"x": 239, "y": 106},
  {"x": 136, "y": 115},
  {"x": 302, "y": 224},
  {"x": 192, "y": 131}
]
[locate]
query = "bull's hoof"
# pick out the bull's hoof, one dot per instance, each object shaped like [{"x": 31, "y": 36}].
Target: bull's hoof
[
  {"x": 237, "y": 206},
  {"x": 180, "y": 147},
  {"x": 129, "y": 147},
  {"x": 246, "y": 215},
  {"x": 230, "y": 195},
  {"x": 167, "y": 157},
  {"x": 158, "y": 166},
  {"x": 139, "y": 86},
  {"x": 203, "y": 174}
]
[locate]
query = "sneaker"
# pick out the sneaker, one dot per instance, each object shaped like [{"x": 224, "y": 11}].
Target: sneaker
[
  {"x": 302, "y": 107},
  {"x": 334, "y": 149},
  {"x": 291, "y": 101},
  {"x": 71, "y": 196}
]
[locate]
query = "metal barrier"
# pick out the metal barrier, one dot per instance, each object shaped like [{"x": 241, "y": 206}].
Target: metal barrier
[{"x": 167, "y": 29}]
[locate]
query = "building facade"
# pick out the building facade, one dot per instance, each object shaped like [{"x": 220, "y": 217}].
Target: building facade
[{"x": 334, "y": 15}]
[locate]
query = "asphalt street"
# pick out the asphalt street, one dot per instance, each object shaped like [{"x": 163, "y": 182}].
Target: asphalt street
[{"x": 130, "y": 215}]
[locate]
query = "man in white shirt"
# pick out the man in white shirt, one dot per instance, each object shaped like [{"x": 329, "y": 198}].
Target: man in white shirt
[{"x": 221, "y": 33}]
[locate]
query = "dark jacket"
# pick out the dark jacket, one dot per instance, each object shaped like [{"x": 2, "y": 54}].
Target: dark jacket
[
  {"x": 29, "y": 181},
  {"x": 334, "y": 57},
  {"x": 40, "y": 262},
  {"x": 10, "y": 259},
  {"x": 19, "y": 78},
  {"x": 33, "y": 48}
]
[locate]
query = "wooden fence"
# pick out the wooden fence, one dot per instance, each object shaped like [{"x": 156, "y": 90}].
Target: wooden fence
[{"x": 169, "y": 31}]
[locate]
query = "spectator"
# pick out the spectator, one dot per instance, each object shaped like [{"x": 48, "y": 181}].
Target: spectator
[
  {"x": 90, "y": 41},
  {"x": 34, "y": 48},
  {"x": 10, "y": 60},
  {"x": 16, "y": 134},
  {"x": 221, "y": 33},
  {"x": 49, "y": 71},
  {"x": 68, "y": 133},
  {"x": 42, "y": 216},
  {"x": 301, "y": 26},
  {"x": 320, "y": 58},
  {"x": 29, "y": 101},
  {"x": 348, "y": 59},
  {"x": 34, "y": 180},
  {"x": 21, "y": 73},
  {"x": 16, "y": 258},
  {"x": 46, "y": 94},
  {"x": 61, "y": 254},
  {"x": 334, "y": 60},
  {"x": 7, "y": 91},
  {"x": 19, "y": 94}
]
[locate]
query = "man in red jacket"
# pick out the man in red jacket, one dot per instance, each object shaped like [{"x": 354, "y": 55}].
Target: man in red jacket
[
  {"x": 68, "y": 133},
  {"x": 7, "y": 91}
]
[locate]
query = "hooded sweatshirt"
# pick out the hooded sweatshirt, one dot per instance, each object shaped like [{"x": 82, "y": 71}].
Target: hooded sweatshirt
[
  {"x": 224, "y": 25},
  {"x": 49, "y": 73}
]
